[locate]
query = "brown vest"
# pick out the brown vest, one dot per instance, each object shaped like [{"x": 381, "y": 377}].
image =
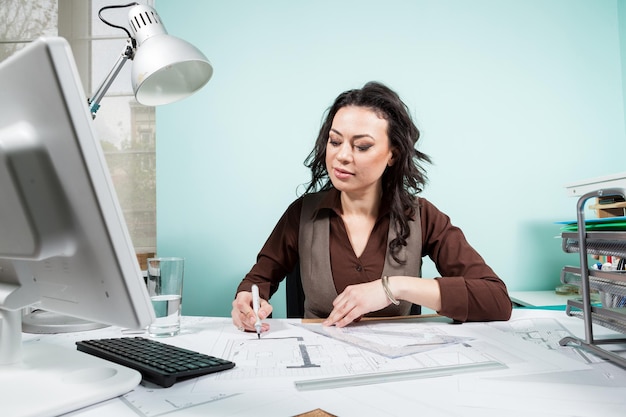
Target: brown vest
[{"x": 317, "y": 277}]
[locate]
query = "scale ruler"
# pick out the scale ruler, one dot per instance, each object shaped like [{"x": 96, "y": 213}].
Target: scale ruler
[{"x": 392, "y": 376}]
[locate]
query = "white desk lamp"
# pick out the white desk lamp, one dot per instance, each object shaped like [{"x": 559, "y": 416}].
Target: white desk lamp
[{"x": 165, "y": 68}]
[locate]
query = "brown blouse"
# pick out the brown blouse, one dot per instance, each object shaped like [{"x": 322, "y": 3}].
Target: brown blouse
[{"x": 470, "y": 289}]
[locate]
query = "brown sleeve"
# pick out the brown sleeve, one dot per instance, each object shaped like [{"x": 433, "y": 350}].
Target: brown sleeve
[
  {"x": 278, "y": 256},
  {"x": 470, "y": 289}
]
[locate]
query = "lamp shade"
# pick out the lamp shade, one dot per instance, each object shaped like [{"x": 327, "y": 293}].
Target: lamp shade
[{"x": 165, "y": 68}]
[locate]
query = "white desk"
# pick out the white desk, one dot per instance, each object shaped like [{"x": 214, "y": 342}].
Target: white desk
[
  {"x": 548, "y": 298},
  {"x": 540, "y": 298},
  {"x": 525, "y": 388}
]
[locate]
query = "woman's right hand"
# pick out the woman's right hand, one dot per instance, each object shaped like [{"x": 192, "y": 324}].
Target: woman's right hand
[{"x": 243, "y": 313}]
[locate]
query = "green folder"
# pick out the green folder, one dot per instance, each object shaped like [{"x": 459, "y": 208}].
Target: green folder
[{"x": 606, "y": 223}]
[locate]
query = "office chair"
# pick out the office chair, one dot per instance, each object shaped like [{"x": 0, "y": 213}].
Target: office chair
[{"x": 295, "y": 295}]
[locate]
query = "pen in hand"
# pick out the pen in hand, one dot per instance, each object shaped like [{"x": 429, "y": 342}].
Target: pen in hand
[{"x": 255, "y": 305}]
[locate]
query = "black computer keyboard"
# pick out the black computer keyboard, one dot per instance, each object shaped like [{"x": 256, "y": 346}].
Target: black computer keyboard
[{"x": 158, "y": 362}]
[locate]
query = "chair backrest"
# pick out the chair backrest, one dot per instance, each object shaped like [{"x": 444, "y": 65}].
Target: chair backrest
[{"x": 295, "y": 296}]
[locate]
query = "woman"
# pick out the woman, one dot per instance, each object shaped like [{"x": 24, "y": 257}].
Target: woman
[{"x": 359, "y": 232}]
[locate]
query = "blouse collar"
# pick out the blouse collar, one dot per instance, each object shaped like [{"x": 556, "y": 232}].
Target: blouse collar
[{"x": 332, "y": 201}]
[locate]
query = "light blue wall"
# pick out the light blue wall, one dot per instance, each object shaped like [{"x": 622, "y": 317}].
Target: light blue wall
[
  {"x": 621, "y": 10},
  {"x": 514, "y": 99}
]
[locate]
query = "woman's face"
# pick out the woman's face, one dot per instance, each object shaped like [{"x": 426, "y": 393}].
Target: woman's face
[{"x": 358, "y": 150}]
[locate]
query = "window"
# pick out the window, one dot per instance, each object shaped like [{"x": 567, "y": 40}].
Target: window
[
  {"x": 23, "y": 21},
  {"x": 125, "y": 128}
]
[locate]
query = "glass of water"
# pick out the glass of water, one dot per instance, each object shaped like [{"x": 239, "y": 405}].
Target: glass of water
[{"x": 165, "y": 287}]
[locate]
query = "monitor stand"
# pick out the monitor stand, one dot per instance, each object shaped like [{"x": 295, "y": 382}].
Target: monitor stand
[
  {"x": 38, "y": 379},
  {"x": 45, "y": 322}
]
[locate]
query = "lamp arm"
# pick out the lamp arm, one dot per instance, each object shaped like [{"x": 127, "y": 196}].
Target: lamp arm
[{"x": 127, "y": 53}]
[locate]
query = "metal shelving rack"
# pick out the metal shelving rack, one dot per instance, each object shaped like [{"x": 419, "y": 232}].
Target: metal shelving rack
[{"x": 610, "y": 284}]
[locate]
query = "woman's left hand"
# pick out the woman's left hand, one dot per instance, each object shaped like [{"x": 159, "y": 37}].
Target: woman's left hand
[{"x": 355, "y": 301}]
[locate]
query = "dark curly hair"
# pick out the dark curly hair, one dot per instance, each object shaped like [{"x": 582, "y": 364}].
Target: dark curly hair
[{"x": 404, "y": 179}]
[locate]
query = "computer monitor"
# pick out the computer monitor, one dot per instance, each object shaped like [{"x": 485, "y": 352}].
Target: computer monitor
[{"x": 63, "y": 240}]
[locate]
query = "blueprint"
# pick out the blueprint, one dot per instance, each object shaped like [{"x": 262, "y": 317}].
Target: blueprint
[
  {"x": 314, "y": 356},
  {"x": 291, "y": 355}
]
